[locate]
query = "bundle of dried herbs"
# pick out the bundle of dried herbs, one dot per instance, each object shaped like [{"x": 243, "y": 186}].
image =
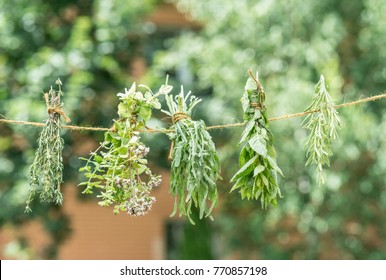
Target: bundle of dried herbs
[
  {"x": 118, "y": 168},
  {"x": 195, "y": 164},
  {"x": 323, "y": 126},
  {"x": 45, "y": 174},
  {"x": 257, "y": 177}
]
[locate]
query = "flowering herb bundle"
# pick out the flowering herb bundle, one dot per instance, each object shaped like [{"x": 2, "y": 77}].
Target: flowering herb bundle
[
  {"x": 323, "y": 125},
  {"x": 118, "y": 169},
  {"x": 45, "y": 173},
  {"x": 257, "y": 177},
  {"x": 195, "y": 164}
]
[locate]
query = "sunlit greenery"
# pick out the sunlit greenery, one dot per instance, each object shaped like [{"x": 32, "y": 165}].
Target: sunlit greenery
[
  {"x": 291, "y": 43},
  {"x": 90, "y": 45}
]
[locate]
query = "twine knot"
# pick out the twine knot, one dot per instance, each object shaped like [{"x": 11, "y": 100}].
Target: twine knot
[
  {"x": 256, "y": 105},
  {"x": 58, "y": 111},
  {"x": 179, "y": 116},
  {"x": 55, "y": 109}
]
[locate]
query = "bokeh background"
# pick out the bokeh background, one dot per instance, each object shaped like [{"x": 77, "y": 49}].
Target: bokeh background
[{"x": 100, "y": 47}]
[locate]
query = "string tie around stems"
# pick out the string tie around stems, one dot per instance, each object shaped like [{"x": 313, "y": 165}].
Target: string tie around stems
[
  {"x": 177, "y": 116},
  {"x": 255, "y": 105},
  {"x": 56, "y": 109}
]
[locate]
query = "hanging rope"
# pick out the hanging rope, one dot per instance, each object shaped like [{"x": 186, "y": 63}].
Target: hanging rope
[{"x": 152, "y": 130}]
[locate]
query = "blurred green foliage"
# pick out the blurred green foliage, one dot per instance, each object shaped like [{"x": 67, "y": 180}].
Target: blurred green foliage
[
  {"x": 291, "y": 43},
  {"x": 90, "y": 45}
]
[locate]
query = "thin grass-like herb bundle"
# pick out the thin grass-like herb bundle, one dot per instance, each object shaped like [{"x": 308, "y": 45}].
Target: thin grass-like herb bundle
[
  {"x": 195, "y": 164},
  {"x": 257, "y": 177},
  {"x": 323, "y": 126},
  {"x": 45, "y": 174}
]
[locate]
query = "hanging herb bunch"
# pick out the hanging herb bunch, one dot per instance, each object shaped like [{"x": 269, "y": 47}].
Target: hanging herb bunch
[
  {"x": 195, "y": 164},
  {"x": 257, "y": 177},
  {"x": 323, "y": 126},
  {"x": 118, "y": 168},
  {"x": 45, "y": 173}
]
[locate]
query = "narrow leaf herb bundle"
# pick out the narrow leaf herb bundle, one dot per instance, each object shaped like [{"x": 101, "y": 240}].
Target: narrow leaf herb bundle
[
  {"x": 323, "y": 126},
  {"x": 195, "y": 164},
  {"x": 118, "y": 168},
  {"x": 257, "y": 177},
  {"x": 45, "y": 174}
]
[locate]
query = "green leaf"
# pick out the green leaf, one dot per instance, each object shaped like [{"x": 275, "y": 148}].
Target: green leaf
[
  {"x": 123, "y": 150},
  {"x": 258, "y": 145},
  {"x": 85, "y": 168},
  {"x": 156, "y": 104},
  {"x": 141, "y": 168},
  {"x": 245, "y": 169},
  {"x": 244, "y": 155},
  {"x": 177, "y": 155},
  {"x": 114, "y": 135},
  {"x": 274, "y": 165},
  {"x": 248, "y": 128},
  {"x": 250, "y": 85},
  {"x": 98, "y": 159},
  {"x": 258, "y": 170},
  {"x": 123, "y": 111},
  {"x": 245, "y": 101},
  {"x": 145, "y": 112}
]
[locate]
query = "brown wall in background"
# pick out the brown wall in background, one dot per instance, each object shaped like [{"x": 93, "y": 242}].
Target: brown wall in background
[{"x": 98, "y": 234}]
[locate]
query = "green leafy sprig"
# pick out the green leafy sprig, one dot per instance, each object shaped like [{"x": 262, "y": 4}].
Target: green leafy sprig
[
  {"x": 195, "y": 164},
  {"x": 257, "y": 177},
  {"x": 323, "y": 126},
  {"x": 118, "y": 168},
  {"x": 45, "y": 173}
]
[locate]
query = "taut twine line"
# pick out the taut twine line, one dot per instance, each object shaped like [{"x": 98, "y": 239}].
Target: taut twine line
[{"x": 153, "y": 130}]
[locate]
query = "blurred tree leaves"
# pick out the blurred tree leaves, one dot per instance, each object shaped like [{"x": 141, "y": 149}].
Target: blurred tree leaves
[
  {"x": 90, "y": 46},
  {"x": 291, "y": 43}
]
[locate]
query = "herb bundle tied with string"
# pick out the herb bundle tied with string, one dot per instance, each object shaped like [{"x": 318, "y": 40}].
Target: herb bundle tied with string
[
  {"x": 195, "y": 164},
  {"x": 118, "y": 168},
  {"x": 257, "y": 176},
  {"x": 323, "y": 125},
  {"x": 45, "y": 173}
]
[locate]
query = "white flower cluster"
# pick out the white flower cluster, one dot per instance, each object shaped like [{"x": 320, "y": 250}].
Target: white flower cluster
[
  {"x": 140, "y": 202},
  {"x": 154, "y": 181},
  {"x": 141, "y": 151}
]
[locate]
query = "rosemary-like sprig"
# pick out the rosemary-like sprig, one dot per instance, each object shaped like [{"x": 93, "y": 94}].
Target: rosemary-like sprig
[
  {"x": 118, "y": 168},
  {"x": 257, "y": 177},
  {"x": 195, "y": 164},
  {"x": 45, "y": 173},
  {"x": 323, "y": 126}
]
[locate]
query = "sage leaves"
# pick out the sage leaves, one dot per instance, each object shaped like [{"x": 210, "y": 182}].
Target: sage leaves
[
  {"x": 45, "y": 173},
  {"x": 195, "y": 164},
  {"x": 323, "y": 125},
  {"x": 118, "y": 169},
  {"x": 257, "y": 177}
]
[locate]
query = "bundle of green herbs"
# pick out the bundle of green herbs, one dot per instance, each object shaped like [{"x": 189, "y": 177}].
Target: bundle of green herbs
[
  {"x": 45, "y": 173},
  {"x": 257, "y": 177},
  {"x": 195, "y": 164},
  {"x": 323, "y": 125},
  {"x": 118, "y": 168}
]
